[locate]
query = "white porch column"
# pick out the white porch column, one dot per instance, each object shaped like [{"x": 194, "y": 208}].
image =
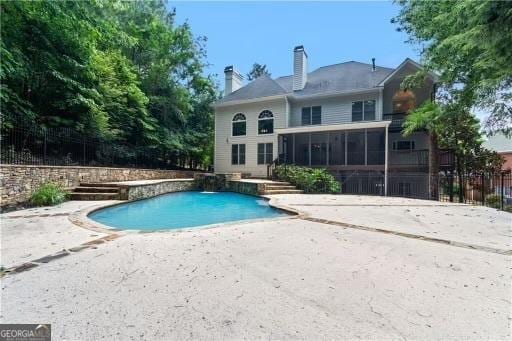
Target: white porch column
[
  {"x": 327, "y": 149},
  {"x": 386, "y": 162},
  {"x": 309, "y": 151},
  {"x": 293, "y": 148}
]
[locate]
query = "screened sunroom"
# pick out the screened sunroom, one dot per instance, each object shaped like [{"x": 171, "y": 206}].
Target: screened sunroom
[{"x": 343, "y": 146}]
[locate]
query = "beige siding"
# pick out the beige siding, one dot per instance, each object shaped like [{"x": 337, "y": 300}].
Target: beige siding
[
  {"x": 423, "y": 94},
  {"x": 224, "y": 140},
  {"x": 287, "y": 113},
  {"x": 420, "y": 141},
  {"x": 335, "y": 110}
]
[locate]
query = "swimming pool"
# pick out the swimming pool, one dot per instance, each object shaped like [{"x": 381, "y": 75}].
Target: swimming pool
[{"x": 185, "y": 209}]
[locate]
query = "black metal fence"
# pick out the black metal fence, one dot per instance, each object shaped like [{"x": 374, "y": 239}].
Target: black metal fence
[
  {"x": 404, "y": 184},
  {"x": 28, "y": 143},
  {"x": 493, "y": 190},
  {"x": 476, "y": 189}
]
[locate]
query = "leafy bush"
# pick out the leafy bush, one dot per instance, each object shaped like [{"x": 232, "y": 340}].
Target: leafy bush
[
  {"x": 493, "y": 200},
  {"x": 48, "y": 194},
  {"x": 310, "y": 180},
  {"x": 446, "y": 188}
]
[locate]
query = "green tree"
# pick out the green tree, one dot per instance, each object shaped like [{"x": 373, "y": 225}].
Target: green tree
[
  {"x": 468, "y": 43},
  {"x": 460, "y": 132},
  {"x": 456, "y": 129},
  {"x": 170, "y": 63},
  {"x": 50, "y": 75},
  {"x": 122, "y": 99},
  {"x": 257, "y": 70},
  {"x": 427, "y": 118},
  {"x": 122, "y": 71}
]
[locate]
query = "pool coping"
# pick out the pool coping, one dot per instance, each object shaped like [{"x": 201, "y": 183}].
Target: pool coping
[{"x": 81, "y": 218}]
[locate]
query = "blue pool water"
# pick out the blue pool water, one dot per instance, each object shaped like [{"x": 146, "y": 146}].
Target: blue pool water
[{"x": 185, "y": 209}]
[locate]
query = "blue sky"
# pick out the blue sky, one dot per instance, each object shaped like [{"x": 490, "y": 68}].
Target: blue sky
[{"x": 241, "y": 33}]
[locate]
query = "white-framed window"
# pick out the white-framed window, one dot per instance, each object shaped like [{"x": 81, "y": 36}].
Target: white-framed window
[
  {"x": 403, "y": 145},
  {"x": 311, "y": 115},
  {"x": 264, "y": 153},
  {"x": 363, "y": 111},
  {"x": 238, "y": 154},
  {"x": 239, "y": 125},
  {"x": 266, "y": 122}
]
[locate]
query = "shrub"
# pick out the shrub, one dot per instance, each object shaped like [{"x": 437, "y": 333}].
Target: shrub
[
  {"x": 446, "y": 189},
  {"x": 493, "y": 200},
  {"x": 310, "y": 180},
  {"x": 48, "y": 194}
]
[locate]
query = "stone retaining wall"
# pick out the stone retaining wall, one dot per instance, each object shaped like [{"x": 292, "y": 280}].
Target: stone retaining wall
[
  {"x": 17, "y": 182},
  {"x": 231, "y": 182},
  {"x": 134, "y": 192},
  {"x": 244, "y": 187}
]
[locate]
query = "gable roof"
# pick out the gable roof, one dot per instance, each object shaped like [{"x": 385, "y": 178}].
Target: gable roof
[
  {"x": 406, "y": 62},
  {"x": 262, "y": 86},
  {"x": 331, "y": 79}
]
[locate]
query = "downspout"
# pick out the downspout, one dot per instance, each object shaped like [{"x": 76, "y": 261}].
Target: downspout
[
  {"x": 386, "y": 162},
  {"x": 287, "y": 114}
]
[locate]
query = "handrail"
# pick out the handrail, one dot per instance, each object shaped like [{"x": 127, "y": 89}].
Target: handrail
[{"x": 271, "y": 169}]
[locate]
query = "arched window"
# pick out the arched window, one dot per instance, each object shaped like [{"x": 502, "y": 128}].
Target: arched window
[
  {"x": 404, "y": 101},
  {"x": 266, "y": 122},
  {"x": 239, "y": 125}
]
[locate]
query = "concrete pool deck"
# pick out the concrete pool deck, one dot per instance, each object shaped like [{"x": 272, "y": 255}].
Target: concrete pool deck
[
  {"x": 286, "y": 279},
  {"x": 33, "y": 233},
  {"x": 477, "y": 226}
]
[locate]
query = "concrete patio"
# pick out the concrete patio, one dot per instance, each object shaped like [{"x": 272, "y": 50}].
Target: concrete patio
[{"x": 283, "y": 279}]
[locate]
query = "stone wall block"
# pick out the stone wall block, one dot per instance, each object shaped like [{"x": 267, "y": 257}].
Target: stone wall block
[{"x": 17, "y": 182}]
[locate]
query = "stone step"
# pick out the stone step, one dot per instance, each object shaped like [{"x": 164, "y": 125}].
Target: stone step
[
  {"x": 278, "y": 183},
  {"x": 96, "y": 184},
  {"x": 93, "y": 196},
  {"x": 276, "y": 187},
  {"x": 282, "y": 191},
  {"x": 85, "y": 189}
]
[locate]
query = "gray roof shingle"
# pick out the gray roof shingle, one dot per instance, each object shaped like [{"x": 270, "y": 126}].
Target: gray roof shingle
[
  {"x": 327, "y": 79},
  {"x": 263, "y": 86}
]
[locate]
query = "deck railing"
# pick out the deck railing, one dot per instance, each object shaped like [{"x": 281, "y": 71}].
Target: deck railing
[{"x": 397, "y": 121}]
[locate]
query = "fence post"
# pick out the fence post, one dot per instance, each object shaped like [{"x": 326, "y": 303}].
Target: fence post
[
  {"x": 44, "y": 146},
  {"x": 461, "y": 188},
  {"x": 450, "y": 186},
  {"x": 483, "y": 189},
  {"x": 83, "y": 143},
  {"x": 502, "y": 191}
]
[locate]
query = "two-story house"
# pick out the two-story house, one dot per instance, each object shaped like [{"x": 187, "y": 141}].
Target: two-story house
[{"x": 345, "y": 117}]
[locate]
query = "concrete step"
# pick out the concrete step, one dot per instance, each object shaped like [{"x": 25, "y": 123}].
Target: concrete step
[
  {"x": 282, "y": 191},
  {"x": 84, "y": 189},
  {"x": 96, "y": 184},
  {"x": 93, "y": 196}
]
